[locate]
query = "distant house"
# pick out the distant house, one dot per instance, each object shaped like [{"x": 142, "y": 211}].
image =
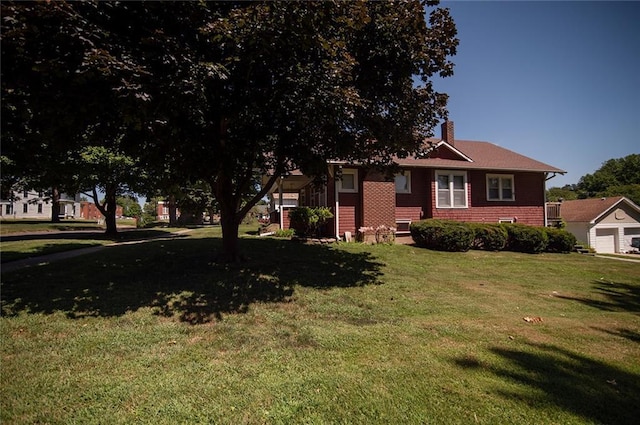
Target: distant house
[
  {"x": 163, "y": 211},
  {"x": 89, "y": 211},
  {"x": 608, "y": 225},
  {"x": 31, "y": 204},
  {"x": 462, "y": 180}
]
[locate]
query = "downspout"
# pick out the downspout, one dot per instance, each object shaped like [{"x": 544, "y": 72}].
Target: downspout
[
  {"x": 337, "y": 194},
  {"x": 280, "y": 202},
  {"x": 544, "y": 197},
  {"x": 326, "y": 191}
]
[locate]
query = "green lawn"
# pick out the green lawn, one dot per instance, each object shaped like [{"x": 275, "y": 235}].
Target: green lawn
[
  {"x": 10, "y": 226},
  {"x": 159, "y": 333},
  {"x": 18, "y": 246}
]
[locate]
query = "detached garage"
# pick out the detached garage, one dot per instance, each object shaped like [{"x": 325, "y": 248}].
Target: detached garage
[{"x": 608, "y": 225}]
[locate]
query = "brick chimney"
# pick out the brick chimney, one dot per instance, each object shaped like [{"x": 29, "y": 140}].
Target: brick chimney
[{"x": 447, "y": 132}]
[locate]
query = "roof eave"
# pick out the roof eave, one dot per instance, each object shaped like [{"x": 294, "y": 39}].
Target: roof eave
[{"x": 469, "y": 166}]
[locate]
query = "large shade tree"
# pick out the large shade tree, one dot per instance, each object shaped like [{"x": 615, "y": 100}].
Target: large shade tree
[
  {"x": 267, "y": 87},
  {"x": 222, "y": 92}
]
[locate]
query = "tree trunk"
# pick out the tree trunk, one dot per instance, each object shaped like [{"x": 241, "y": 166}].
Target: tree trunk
[
  {"x": 173, "y": 221},
  {"x": 55, "y": 204},
  {"x": 110, "y": 213},
  {"x": 230, "y": 241},
  {"x": 108, "y": 209}
]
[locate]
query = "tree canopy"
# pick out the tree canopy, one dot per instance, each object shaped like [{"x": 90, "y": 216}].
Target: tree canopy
[
  {"x": 69, "y": 103},
  {"x": 221, "y": 92}
]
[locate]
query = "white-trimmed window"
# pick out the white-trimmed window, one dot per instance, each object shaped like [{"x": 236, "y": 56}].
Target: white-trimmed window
[
  {"x": 500, "y": 187},
  {"x": 452, "y": 189},
  {"x": 349, "y": 181},
  {"x": 403, "y": 182}
]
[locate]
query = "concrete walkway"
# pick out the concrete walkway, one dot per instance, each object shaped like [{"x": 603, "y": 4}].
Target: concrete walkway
[
  {"x": 50, "y": 258},
  {"x": 633, "y": 258}
]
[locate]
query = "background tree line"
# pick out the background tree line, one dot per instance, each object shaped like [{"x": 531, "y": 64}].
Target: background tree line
[{"x": 616, "y": 177}]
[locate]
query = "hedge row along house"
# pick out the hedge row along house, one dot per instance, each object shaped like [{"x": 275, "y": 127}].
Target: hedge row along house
[{"x": 463, "y": 180}]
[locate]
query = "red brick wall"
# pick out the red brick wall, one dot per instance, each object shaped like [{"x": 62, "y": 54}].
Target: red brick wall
[
  {"x": 349, "y": 220},
  {"x": 378, "y": 201},
  {"x": 286, "y": 221},
  {"x": 274, "y": 217}
]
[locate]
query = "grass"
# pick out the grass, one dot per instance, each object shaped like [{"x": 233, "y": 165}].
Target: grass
[
  {"x": 20, "y": 246},
  {"x": 10, "y": 226},
  {"x": 159, "y": 333}
]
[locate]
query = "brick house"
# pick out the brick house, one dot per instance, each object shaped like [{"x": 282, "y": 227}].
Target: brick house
[
  {"x": 462, "y": 180},
  {"x": 89, "y": 211}
]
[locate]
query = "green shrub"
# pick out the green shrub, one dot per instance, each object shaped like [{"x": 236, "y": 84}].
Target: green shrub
[
  {"x": 560, "y": 240},
  {"x": 523, "y": 238},
  {"x": 489, "y": 236},
  {"x": 306, "y": 221},
  {"x": 442, "y": 235},
  {"x": 283, "y": 233},
  {"x": 456, "y": 237},
  {"x": 425, "y": 232}
]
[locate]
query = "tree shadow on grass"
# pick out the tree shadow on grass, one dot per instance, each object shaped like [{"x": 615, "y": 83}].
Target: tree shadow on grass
[
  {"x": 629, "y": 334},
  {"x": 591, "y": 389},
  {"x": 612, "y": 296},
  {"x": 179, "y": 278}
]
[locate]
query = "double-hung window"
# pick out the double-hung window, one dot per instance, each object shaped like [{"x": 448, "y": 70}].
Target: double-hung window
[
  {"x": 500, "y": 187},
  {"x": 452, "y": 189}
]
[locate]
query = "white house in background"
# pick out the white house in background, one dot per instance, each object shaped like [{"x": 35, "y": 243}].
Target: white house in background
[
  {"x": 36, "y": 205},
  {"x": 608, "y": 225}
]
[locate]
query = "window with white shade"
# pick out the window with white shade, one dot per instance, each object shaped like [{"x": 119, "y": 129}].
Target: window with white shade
[
  {"x": 349, "y": 181},
  {"x": 403, "y": 182},
  {"x": 500, "y": 187},
  {"x": 452, "y": 189}
]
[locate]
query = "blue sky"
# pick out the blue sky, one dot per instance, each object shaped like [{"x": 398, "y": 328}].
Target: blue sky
[{"x": 556, "y": 81}]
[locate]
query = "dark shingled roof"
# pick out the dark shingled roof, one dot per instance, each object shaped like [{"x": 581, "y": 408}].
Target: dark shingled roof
[
  {"x": 482, "y": 156},
  {"x": 586, "y": 210}
]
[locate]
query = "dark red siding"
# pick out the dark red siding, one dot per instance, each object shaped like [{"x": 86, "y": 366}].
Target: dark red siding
[
  {"x": 413, "y": 206},
  {"x": 528, "y": 207}
]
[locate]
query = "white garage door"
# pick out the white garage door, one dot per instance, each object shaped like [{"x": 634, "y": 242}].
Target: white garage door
[{"x": 606, "y": 241}]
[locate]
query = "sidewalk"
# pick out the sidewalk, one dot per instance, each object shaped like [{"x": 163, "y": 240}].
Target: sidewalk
[
  {"x": 633, "y": 258},
  {"x": 50, "y": 258}
]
